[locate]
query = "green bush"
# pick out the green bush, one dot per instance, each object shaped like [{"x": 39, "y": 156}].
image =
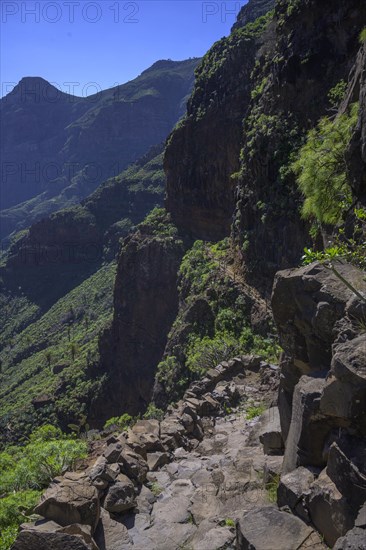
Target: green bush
[
  {"x": 363, "y": 36},
  {"x": 16, "y": 509},
  {"x": 321, "y": 168},
  {"x": 206, "y": 353},
  {"x": 158, "y": 223},
  {"x": 26, "y": 470},
  {"x": 152, "y": 412},
  {"x": 119, "y": 422},
  {"x": 48, "y": 454},
  {"x": 8, "y": 536}
]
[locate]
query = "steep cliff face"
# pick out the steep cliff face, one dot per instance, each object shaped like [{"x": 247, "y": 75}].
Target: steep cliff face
[
  {"x": 251, "y": 11},
  {"x": 203, "y": 151},
  {"x": 356, "y": 156},
  {"x": 322, "y": 395},
  {"x": 145, "y": 305},
  {"x": 315, "y": 48}
]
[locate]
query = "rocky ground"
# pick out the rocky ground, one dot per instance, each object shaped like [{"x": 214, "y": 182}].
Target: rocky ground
[
  {"x": 200, "y": 479},
  {"x": 217, "y": 474}
]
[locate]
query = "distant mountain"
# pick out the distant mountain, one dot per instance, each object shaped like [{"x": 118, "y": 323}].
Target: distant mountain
[{"x": 56, "y": 148}]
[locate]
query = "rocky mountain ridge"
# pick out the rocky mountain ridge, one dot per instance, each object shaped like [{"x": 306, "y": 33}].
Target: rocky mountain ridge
[{"x": 57, "y": 148}]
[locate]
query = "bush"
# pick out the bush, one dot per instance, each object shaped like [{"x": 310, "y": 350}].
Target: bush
[
  {"x": 321, "y": 168},
  {"x": 47, "y": 455},
  {"x": 363, "y": 36},
  {"x": 153, "y": 412},
  {"x": 119, "y": 422},
  {"x": 206, "y": 353},
  {"x": 8, "y": 536},
  {"x": 15, "y": 509},
  {"x": 26, "y": 470}
]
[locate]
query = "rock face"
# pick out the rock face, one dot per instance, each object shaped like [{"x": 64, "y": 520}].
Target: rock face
[
  {"x": 252, "y": 10},
  {"x": 145, "y": 304},
  {"x": 200, "y": 190},
  {"x": 356, "y": 155},
  {"x": 308, "y": 305},
  {"x": 322, "y": 397},
  {"x": 291, "y": 86}
]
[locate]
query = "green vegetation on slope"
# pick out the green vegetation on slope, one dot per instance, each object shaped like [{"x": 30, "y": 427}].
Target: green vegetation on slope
[
  {"x": 54, "y": 360},
  {"x": 213, "y": 323},
  {"x": 28, "y": 469}
]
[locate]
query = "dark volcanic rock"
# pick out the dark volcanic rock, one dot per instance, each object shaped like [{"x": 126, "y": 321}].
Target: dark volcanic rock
[
  {"x": 200, "y": 190},
  {"x": 145, "y": 305}
]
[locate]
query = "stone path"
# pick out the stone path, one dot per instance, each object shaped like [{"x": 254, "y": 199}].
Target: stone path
[{"x": 198, "y": 480}]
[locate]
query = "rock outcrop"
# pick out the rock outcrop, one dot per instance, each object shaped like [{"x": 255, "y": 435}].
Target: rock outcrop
[
  {"x": 322, "y": 396},
  {"x": 290, "y": 94},
  {"x": 200, "y": 190},
  {"x": 145, "y": 305}
]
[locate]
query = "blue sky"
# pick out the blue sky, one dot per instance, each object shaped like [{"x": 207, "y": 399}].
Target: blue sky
[{"x": 74, "y": 43}]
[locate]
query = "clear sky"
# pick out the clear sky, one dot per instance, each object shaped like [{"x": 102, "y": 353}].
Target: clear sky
[{"x": 105, "y": 42}]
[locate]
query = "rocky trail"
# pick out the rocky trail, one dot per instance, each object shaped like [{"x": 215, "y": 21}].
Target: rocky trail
[{"x": 201, "y": 479}]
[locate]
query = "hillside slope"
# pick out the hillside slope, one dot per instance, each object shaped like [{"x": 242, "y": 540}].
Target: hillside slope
[{"x": 58, "y": 148}]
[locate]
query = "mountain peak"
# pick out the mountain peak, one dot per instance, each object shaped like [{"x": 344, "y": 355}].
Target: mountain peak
[{"x": 32, "y": 88}]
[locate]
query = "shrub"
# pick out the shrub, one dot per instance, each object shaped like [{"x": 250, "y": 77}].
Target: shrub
[
  {"x": 43, "y": 458},
  {"x": 119, "y": 422},
  {"x": 363, "y": 36},
  {"x": 254, "y": 412},
  {"x": 152, "y": 412},
  {"x": 8, "y": 536},
  {"x": 206, "y": 353},
  {"x": 321, "y": 168},
  {"x": 158, "y": 223},
  {"x": 15, "y": 509},
  {"x": 26, "y": 470}
]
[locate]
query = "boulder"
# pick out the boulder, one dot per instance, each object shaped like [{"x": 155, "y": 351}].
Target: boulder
[
  {"x": 102, "y": 474},
  {"x": 83, "y": 531},
  {"x": 329, "y": 510},
  {"x": 70, "y": 499},
  {"x": 309, "y": 428},
  {"x": 113, "y": 452},
  {"x": 268, "y": 528},
  {"x": 212, "y": 534},
  {"x": 120, "y": 496},
  {"x": 133, "y": 465},
  {"x": 344, "y": 395},
  {"x": 111, "y": 534},
  {"x": 355, "y": 539},
  {"x": 361, "y": 517},
  {"x": 144, "y": 437},
  {"x": 347, "y": 477},
  {"x": 293, "y": 489},
  {"x": 156, "y": 460},
  {"x": 270, "y": 432},
  {"x": 41, "y": 540}
]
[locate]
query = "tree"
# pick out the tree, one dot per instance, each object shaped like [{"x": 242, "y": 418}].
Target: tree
[
  {"x": 321, "y": 169},
  {"x": 74, "y": 349}
]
